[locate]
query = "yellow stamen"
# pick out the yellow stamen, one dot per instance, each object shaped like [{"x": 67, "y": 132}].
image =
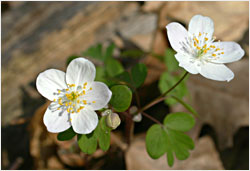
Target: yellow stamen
[
  {"x": 205, "y": 51},
  {"x": 222, "y": 52},
  {"x": 68, "y": 110},
  {"x": 54, "y": 100},
  {"x": 196, "y": 40},
  {"x": 67, "y": 89},
  {"x": 204, "y": 47},
  {"x": 199, "y": 33},
  {"x": 70, "y": 118},
  {"x": 59, "y": 91},
  {"x": 217, "y": 49},
  {"x": 70, "y": 103},
  {"x": 93, "y": 101},
  {"x": 84, "y": 101},
  {"x": 78, "y": 101},
  {"x": 206, "y": 39},
  {"x": 58, "y": 108},
  {"x": 90, "y": 88},
  {"x": 213, "y": 55},
  {"x": 195, "y": 44},
  {"x": 198, "y": 48}
]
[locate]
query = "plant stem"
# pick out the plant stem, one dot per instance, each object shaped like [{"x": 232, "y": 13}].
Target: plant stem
[
  {"x": 161, "y": 97},
  {"x": 151, "y": 118}
]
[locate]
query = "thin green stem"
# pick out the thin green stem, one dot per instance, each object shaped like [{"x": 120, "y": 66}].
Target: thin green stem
[{"x": 162, "y": 97}]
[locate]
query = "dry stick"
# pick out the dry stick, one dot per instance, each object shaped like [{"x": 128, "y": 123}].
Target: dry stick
[{"x": 162, "y": 97}]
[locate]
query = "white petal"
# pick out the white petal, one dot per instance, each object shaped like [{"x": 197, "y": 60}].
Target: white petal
[
  {"x": 218, "y": 72},
  {"x": 232, "y": 52},
  {"x": 100, "y": 93},
  {"x": 176, "y": 34},
  {"x": 85, "y": 121},
  {"x": 49, "y": 81},
  {"x": 187, "y": 63},
  {"x": 200, "y": 24},
  {"x": 56, "y": 121},
  {"x": 79, "y": 71}
]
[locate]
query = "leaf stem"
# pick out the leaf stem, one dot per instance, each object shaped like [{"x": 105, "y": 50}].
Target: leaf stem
[
  {"x": 151, "y": 118},
  {"x": 162, "y": 97}
]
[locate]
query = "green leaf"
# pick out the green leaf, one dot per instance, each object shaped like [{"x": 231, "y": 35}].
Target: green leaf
[
  {"x": 109, "y": 51},
  {"x": 121, "y": 97},
  {"x": 125, "y": 77},
  {"x": 156, "y": 141},
  {"x": 113, "y": 67},
  {"x": 100, "y": 74},
  {"x": 179, "y": 121},
  {"x": 132, "y": 53},
  {"x": 182, "y": 143},
  {"x": 94, "y": 52},
  {"x": 66, "y": 135},
  {"x": 102, "y": 132},
  {"x": 170, "y": 61},
  {"x": 167, "y": 81},
  {"x": 139, "y": 73},
  {"x": 170, "y": 158},
  {"x": 71, "y": 58},
  {"x": 87, "y": 143},
  {"x": 187, "y": 106}
]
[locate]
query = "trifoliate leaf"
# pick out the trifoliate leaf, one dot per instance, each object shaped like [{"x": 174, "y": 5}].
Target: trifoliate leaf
[
  {"x": 87, "y": 143},
  {"x": 121, "y": 97},
  {"x": 139, "y": 74},
  {"x": 113, "y": 67},
  {"x": 187, "y": 106},
  {"x": 94, "y": 52},
  {"x": 156, "y": 141},
  {"x": 109, "y": 51},
  {"x": 170, "y": 61},
  {"x": 102, "y": 133},
  {"x": 179, "y": 121},
  {"x": 66, "y": 135},
  {"x": 167, "y": 81}
]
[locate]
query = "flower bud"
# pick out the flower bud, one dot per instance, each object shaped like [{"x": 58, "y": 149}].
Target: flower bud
[
  {"x": 137, "y": 118},
  {"x": 113, "y": 120},
  {"x": 106, "y": 112}
]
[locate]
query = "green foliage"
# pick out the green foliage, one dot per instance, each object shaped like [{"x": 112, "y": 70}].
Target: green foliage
[
  {"x": 167, "y": 81},
  {"x": 179, "y": 121},
  {"x": 101, "y": 135},
  {"x": 170, "y": 61},
  {"x": 87, "y": 143},
  {"x": 121, "y": 97},
  {"x": 187, "y": 106},
  {"x": 66, "y": 135},
  {"x": 113, "y": 67},
  {"x": 132, "y": 53},
  {"x": 156, "y": 141},
  {"x": 170, "y": 138},
  {"x": 139, "y": 74},
  {"x": 71, "y": 58},
  {"x": 94, "y": 52}
]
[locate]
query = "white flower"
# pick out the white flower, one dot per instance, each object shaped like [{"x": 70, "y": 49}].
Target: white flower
[
  {"x": 75, "y": 96},
  {"x": 198, "y": 53}
]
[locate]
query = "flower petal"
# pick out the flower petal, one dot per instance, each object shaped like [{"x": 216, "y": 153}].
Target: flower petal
[
  {"x": 49, "y": 81},
  {"x": 200, "y": 24},
  {"x": 56, "y": 120},
  {"x": 79, "y": 71},
  {"x": 100, "y": 95},
  {"x": 187, "y": 63},
  {"x": 176, "y": 35},
  {"x": 85, "y": 121},
  {"x": 218, "y": 72},
  {"x": 232, "y": 52}
]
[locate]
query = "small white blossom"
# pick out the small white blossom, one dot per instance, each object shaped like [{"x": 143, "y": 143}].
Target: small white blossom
[
  {"x": 198, "y": 53},
  {"x": 75, "y": 97},
  {"x": 137, "y": 117}
]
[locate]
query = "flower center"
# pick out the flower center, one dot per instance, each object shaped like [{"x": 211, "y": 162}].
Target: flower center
[
  {"x": 71, "y": 99},
  {"x": 203, "y": 47}
]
